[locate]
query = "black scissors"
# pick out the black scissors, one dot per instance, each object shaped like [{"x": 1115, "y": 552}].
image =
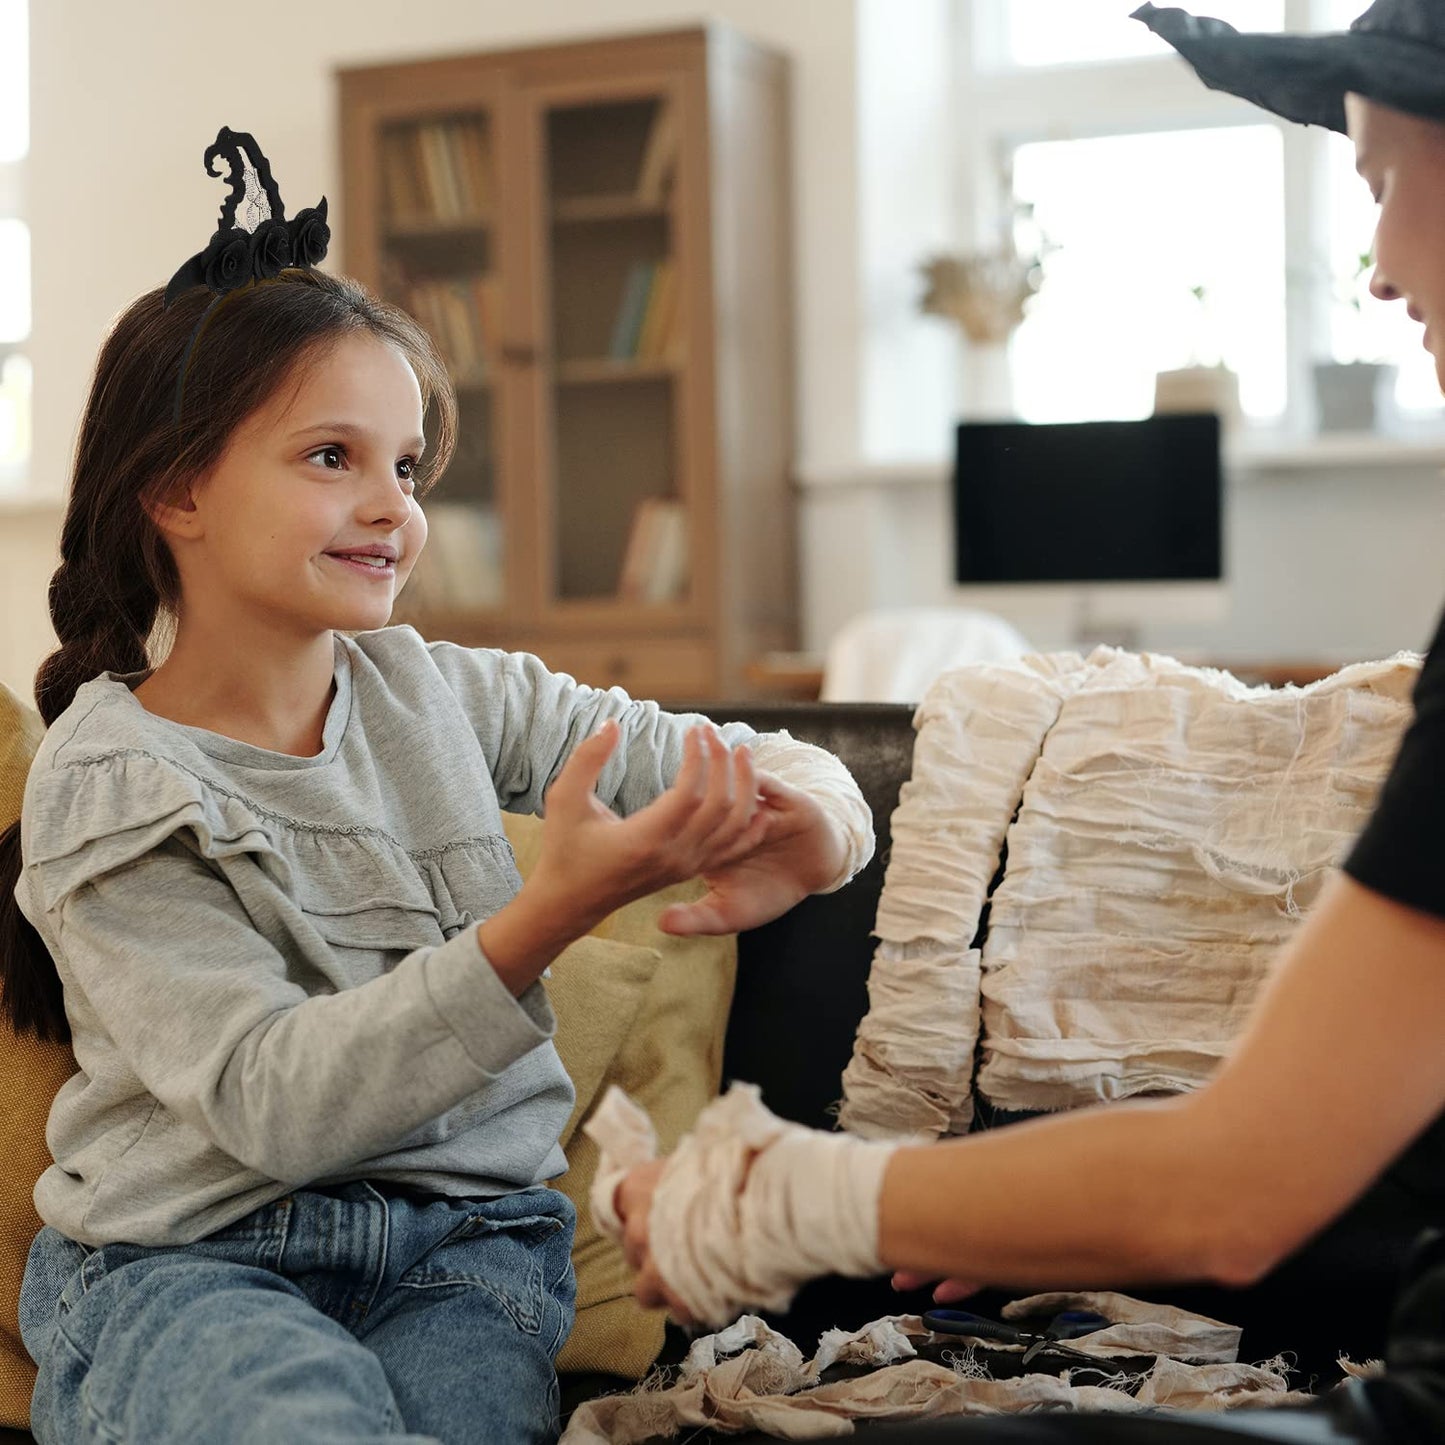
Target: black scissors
[{"x": 1066, "y": 1325}]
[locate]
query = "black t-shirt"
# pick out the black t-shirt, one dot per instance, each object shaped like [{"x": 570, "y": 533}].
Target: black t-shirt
[{"x": 1401, "y": 853}]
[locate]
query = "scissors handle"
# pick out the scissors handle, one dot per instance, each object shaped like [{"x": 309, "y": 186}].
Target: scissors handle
[{"x": 961, "y": 1322}]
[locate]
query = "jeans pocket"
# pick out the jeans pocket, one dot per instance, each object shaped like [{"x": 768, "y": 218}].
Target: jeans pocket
[
  {"x": 504, "y": 1258},
  {"x": 52, "y": 1282}
]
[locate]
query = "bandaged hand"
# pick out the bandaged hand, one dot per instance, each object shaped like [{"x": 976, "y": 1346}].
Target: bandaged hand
[
  {"x": 746, "y": 1209},
  {"x": 816, "y": 832}
]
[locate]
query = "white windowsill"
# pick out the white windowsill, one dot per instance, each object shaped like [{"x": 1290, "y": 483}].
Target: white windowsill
[
  {"x": 1329, "y": 450},
  {"x": 1249, "y": 453}
]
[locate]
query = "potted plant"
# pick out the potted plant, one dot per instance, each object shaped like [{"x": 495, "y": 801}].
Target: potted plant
[
  {"x": 1205, "y": 383},
  {"x": 1357, "y": 394}
]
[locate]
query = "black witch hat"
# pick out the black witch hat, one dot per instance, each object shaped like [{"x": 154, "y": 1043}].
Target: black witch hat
[
  {"x": 260, "y": 249},
  {"x": 1394, "y": 53}
]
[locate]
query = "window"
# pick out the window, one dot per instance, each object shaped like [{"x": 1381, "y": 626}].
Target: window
[
  {"x": 1184, "y": 225},
  {"x": 15, "y": 369},
  {"x": 1148, "y": 238}
]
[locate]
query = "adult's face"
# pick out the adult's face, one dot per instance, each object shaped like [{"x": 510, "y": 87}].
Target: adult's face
[{"x": 1402, "y": 158}]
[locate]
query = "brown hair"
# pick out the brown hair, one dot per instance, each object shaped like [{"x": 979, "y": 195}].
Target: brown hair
[{"x": 117, "y": 588}]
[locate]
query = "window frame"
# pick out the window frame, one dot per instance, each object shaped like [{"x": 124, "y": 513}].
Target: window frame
[{"x": 1001, "y": 107}]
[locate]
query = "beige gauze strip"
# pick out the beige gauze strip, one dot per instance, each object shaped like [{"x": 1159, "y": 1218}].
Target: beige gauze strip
[
  {"x": 749, "y": 1206},
  {"x": 815, "y": 771},
  {"x": 1177, "y": 828},
  {"x": 980, "y": 731}
]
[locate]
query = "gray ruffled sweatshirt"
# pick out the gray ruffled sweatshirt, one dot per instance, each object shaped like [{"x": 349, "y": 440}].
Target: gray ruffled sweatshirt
[{"x": 271, "y": 965}]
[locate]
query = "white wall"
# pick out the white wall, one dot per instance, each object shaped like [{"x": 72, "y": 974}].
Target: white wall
[{"x": 127, "y": 96}]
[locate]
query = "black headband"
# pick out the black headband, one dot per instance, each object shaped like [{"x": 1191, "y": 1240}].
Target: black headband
[{"x": 239, "y": 256}]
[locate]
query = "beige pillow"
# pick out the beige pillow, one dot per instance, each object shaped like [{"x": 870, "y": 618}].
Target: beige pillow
[
  {"x": 670, "y": 1061},
  {"x": 30, "y": 1074},
  {"x": 596, "y": 988}
]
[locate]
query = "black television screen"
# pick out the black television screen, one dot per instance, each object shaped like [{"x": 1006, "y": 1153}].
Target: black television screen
[{"x": 1096, "y": 501}]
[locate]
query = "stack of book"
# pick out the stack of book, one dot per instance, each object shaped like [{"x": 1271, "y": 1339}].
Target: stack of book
[
  {"x": 655, "y": 565},
  {"x": 437, "y": 171},
  {"x": 460, "y": 568},
  {"x": 646, "y": 327},
  {"x": 460, "y": 312}
]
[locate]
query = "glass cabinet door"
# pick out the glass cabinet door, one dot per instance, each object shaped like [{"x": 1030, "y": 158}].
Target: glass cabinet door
[
  {"x": 616, "y": 525},
  {"x": 439, "y": 259}
]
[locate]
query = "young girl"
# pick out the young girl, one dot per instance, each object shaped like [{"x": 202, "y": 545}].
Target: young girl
[
  {"x": 1342, "y": 1069},
  {"x": 298, "y": 1181}
]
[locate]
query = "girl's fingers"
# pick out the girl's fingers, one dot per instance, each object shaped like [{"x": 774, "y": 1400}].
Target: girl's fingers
[
  {"x": 953, "y": 1290},
  {"x": 906, "y": 1279},
  {"x": 577, "y": 780},
  {"x": 717, "y": 800},
  {"x": 671, "y": 812},
  {"x": 652, "y": 1293},
  {"x": 746, "y": 842},
  {"x": 946, "y": 1292}
]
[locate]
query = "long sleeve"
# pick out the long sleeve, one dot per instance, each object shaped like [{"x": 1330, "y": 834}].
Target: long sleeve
[
  {"x": 206, "y": 1013},
  {"x": 529, "y": 719}
]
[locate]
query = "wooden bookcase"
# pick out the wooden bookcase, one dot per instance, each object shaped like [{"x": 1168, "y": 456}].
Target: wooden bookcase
[{"x": 597, "y": 235}]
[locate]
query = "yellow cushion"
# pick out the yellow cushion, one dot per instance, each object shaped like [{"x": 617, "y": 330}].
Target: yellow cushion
[
  {"x": 30, "y": 1073},
  {"x": 671, "y": 1063},
  {"x": 596, "y": 990}
]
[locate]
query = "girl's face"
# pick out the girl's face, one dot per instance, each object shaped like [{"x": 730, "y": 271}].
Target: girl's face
[
  {"x": 1402, "y": 157},
  {"x": 308, "y": 483}
]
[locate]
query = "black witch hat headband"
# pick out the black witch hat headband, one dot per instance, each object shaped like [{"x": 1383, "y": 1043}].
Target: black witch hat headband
[{"x": 260, "y": 249}]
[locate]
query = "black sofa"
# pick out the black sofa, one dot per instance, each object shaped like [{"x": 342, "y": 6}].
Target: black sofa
[{"x": 801, "y": 992}]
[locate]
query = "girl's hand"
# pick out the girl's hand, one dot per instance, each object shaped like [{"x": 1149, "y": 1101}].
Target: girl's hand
[
  {"x": 634, "y": 1207},
  {"x": 794, "y": 850},
  {"x": 949, "y": 1291},
  {"x": 592, "y": 862}
]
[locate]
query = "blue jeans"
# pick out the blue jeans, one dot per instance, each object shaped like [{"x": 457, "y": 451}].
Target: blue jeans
[{"x": 342, "y": 1314}]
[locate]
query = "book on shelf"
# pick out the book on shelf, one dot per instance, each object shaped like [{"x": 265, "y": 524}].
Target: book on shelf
[
  {"x": 460, "y": 568},
  {"x": 659, "y": 159},
  {"x": 646, "y": 325},
  {"x": 654, "y": 337},
  {"x": 635, "y": 290},
  {"x": 400, "y": 177},
  {"x": 460, "y": 313},
  {"x": 437, "y": 171},
  {"x": 473, "y": 163},
  {"x": 655, "y": 562}
]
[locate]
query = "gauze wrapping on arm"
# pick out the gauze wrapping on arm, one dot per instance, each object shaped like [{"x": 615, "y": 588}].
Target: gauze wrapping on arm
[
  {"x": 749, "y": 1206},
  {"x": 818, "y": 773}
]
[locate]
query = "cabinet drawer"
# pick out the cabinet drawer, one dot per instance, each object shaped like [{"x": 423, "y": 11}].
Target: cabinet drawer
[{"x": 676, "y": 668}]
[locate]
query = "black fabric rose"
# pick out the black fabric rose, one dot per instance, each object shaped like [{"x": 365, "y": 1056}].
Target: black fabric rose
[
  {"x": 227, "y": 261},
  {"x": 310, "y": 235},
  {"x": 270, "y": 249}
]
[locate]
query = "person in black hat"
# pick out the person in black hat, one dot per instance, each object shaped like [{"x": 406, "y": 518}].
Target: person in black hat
[{"x": 1341, "y": 1072}]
